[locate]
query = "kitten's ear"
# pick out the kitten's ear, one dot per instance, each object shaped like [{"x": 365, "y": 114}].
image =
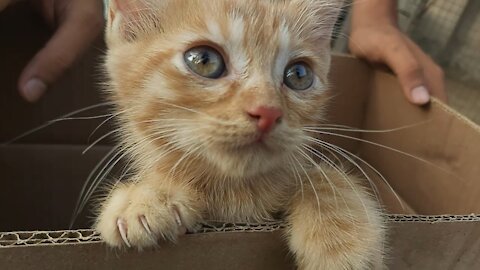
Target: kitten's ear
[
  {"x": 320, "y": 16},
  {"x": 128, "y": 20}
]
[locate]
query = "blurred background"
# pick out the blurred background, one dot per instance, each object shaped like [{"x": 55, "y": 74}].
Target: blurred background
[{"x": 448, "y": 30}]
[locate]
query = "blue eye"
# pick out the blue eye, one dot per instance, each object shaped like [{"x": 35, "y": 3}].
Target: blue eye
[
  {"x": 205, "y": 61},
  {"x": 298, "y": 76}
]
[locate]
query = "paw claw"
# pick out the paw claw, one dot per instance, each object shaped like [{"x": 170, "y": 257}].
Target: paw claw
[
  {"x": 177, "y": 217},
  {"x": 145, "y": 225},
  {"x": 122, "y": 228},
  {"x": 176, "y": 214}
]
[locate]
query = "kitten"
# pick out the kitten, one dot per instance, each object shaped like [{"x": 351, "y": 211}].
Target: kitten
[{"x": 212, "y": 99}]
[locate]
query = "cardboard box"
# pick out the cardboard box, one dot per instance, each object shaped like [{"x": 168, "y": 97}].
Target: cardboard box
[{"x": 42, "y": 174}]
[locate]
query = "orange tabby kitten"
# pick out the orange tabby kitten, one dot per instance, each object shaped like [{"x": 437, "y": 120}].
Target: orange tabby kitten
[{"x": 212, "y": 97}]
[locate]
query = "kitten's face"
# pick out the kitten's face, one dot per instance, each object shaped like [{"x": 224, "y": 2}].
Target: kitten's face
[{"x": 229, "y": 82}]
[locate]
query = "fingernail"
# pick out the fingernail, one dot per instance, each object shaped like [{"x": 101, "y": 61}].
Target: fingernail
[
  {"x": 420, "y": 95},
  {"x": 34, "y": 89}
]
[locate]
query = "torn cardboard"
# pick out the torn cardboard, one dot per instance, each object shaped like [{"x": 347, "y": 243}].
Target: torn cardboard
[{"x": 42, "y": 174}]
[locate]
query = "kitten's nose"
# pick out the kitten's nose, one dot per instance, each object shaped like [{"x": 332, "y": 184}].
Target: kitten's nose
[{"x": 267, "y": 117}]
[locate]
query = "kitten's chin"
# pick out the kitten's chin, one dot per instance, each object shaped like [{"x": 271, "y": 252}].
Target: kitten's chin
[{"x": 246, "y": 161}]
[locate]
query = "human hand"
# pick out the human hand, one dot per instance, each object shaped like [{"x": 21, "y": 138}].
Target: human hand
[
  {"x": 4, "y": 4},
  {"x": 77, "y": 23},
  {"x": 419, "y": 75}
]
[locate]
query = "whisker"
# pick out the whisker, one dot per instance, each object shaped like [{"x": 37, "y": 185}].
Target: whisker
[
  {"x": 99, "y": 140},
  {"x": 348, "y": 155},
  {"x": 311, "y": 184},
  {"x": 65, "y": 117},
  {"x": 182, "y": 158},
  {"x": 338, "y": 169},
  {"x": 78, "y": 209},
  {"x": 106, "y": 169},
  {"x": 109, "y": 166},
  {"x": 104, "y": 122},
  {"x": 297, "y": 175},
  {"x": 351, "y": 129},
  {"x": 384, "y": 147},
  {"x": 345, "y": 177},
  {"x": 334, "y": 190}
]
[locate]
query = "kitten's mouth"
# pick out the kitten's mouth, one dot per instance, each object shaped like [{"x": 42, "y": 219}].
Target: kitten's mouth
[
  {"x": 259, "y": 142},
  {"x": 261, "y": 138},
  {"x": 253, "y": 143}
]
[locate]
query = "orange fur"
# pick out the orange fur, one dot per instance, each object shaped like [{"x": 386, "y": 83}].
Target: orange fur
[{"x": 193, "y": 144}]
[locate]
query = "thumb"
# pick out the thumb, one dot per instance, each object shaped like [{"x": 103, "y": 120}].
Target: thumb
[
  {"x": 409, "y": 72},
  {"x": 59, "y": 54}
]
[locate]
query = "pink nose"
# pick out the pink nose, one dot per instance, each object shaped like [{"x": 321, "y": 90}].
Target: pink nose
[{"x": 267, "y": 117}]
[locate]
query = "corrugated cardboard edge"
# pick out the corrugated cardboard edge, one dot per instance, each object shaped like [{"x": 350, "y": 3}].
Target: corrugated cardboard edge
[
  {"x": 69, "y": 237},
  {"x": 444, "y": 107}
]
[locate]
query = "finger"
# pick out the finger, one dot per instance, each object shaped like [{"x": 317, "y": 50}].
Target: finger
[
  {"x": 400, "y": 58},
  {"x": 434, "y": 75},
  {"x": 67, "y": 44},
  {"x": 3, "y": 4}
]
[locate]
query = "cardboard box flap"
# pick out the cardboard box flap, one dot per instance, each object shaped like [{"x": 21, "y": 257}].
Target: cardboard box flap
[
  {"x": 349, "y": 97},
  {"x": 439, "y": 171},
  {"x": 200, "y": 251},
  {"x": 427, "y": 243},
  {"x": 41, "y": 185}
]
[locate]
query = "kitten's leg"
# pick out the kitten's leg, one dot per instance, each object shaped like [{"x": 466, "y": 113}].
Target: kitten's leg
[
  {"x": 139, "y": 214},
  {"x": 341, "y": 230}
]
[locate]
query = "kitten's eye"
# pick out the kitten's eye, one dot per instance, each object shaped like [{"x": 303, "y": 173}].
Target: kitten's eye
[
  {"x": 298, "y": 76},
  {"x": 205, "y": 61}
]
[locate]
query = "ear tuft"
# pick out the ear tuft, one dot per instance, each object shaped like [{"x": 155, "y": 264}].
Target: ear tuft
[
  {"x": 130, "y": 19},
  {"x": 318, "y": 17}
]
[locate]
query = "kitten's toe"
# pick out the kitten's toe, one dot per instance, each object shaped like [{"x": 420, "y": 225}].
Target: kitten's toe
[{"x": 142, "y": 218}]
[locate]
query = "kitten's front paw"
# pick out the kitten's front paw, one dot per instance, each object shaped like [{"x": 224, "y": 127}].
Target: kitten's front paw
[{"x": 138, "y": 216}]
